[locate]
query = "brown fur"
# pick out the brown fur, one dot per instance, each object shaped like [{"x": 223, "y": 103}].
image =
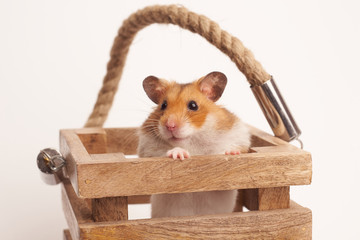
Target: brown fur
[{"x": 178, "y": 96}]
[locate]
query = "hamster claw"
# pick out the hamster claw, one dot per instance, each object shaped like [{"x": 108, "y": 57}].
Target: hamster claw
[
  {"x": 178, "y": 152},
  {"x": 233, "y": 152}
]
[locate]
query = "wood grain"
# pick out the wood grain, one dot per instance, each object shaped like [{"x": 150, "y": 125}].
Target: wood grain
[
  {"x": 265, "y": 138},
  {"x": 110, "y": 209},
  {"x": 141, "y": 199},
  {"x": 266, "y": 198},
  {"x": 273, "y": 198},
  {"x": 146, "y": 176},
  {"x": 256, "y": 141},
  {"x": 123, "y": 140},
  {"x": 239, "y": 201},
  {"x": 74, "y": 152},
  {"x": 100, "y": 175},
  {"x": 94, "y": 140},
  {"x": 276, "y": 149},
  {"x": 292, "y": 223},
  {"x": 66, "y": 235},
  {"x": 76, "y": 210},
  {"x": 250, "y": 198}
]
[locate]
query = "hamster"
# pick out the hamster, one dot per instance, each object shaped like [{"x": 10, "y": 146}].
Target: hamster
[{"x": 187, "y": 122}]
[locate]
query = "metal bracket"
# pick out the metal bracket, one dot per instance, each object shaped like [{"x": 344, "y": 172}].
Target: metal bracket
[
  {"x": 50, "y": 162},
  {"x": 276, "y": 111}
]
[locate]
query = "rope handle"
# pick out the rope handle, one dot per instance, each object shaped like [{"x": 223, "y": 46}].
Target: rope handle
[{"x": 177, "y": 15}]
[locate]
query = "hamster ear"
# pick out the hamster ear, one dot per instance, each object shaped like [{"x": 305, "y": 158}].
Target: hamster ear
[
  {"x": 154, "y": 88},
  {"x": 213, "y": 85}
]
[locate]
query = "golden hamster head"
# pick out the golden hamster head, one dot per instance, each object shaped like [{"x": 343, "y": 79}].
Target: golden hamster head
[{"x": 184, "y": 109}]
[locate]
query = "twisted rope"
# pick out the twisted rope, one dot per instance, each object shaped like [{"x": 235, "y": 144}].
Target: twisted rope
[{"x": 180, "y": 16}]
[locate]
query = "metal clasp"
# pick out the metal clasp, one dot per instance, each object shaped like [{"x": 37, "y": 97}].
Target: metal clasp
[
  {"x": 276, "y": 111},
  {"x": 50, "y": 162}
]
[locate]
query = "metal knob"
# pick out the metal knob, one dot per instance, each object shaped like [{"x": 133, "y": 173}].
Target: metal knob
[{"x": 50, "y": 163}]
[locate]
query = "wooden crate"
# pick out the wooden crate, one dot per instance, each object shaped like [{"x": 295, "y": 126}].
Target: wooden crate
[{"x": 103, "y": 181}]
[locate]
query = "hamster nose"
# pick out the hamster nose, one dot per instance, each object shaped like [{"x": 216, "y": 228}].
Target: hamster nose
[{"x": 170, "y": 125}]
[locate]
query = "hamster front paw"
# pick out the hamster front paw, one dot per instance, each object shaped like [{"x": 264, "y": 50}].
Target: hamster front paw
[{"x": 178, "y": 152}]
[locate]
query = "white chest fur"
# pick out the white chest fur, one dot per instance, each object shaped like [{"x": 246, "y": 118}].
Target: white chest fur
[{"x": 204, "y": 142}]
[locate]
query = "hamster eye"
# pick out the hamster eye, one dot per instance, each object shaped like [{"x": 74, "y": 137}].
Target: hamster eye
[
  {"x": 192, "y": 105},
  {"x": 164, "y": 105}
]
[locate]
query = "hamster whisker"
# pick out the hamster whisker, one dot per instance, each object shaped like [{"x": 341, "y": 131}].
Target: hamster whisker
[
  {"x": 155, "y": 133},
  {"x": 150, "y": 126},
  {"x": 153, "y": 120},
  {"x": 146, "y": 125}
]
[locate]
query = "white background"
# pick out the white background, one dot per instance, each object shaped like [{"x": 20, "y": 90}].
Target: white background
[{"x": 52, "y": 60}]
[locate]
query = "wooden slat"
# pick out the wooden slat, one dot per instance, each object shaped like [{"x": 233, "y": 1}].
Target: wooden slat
[
  {"x": 259, "y": 142},
  {"x": 94, "y": 140},
  {"x": 108, "y": 157},
  {"x": 110, "y": 209},
  {"x": 100, "y": 175},
  {"x": 123, "y": 140},
  {"x": 146, "y": 176},
  {"x": 275, "y": 149},
  {"x": 142, "y": 199},
  {"x": 292, "y": 223},
  {"x": 74, "y": 152},
  {"x": 66, "y": 235},
  {"x": 250, "y": 198},
  {"x": 76, "y": 210},
  {"x": 266, "y": 198},
  {"x": 239, "y": 201},
  {"x": 266, "y": 139},
  {"x": 274, "y": 198}
]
